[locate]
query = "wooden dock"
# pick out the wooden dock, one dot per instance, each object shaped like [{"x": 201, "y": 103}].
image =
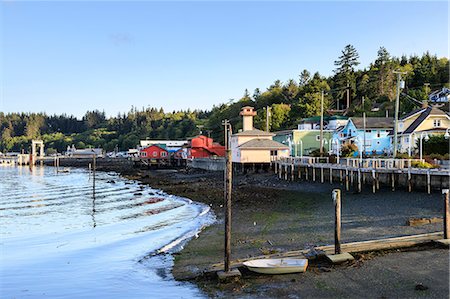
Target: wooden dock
[
  {"x": 356, "y": 173},
  {"x": 353, "y": 247}
]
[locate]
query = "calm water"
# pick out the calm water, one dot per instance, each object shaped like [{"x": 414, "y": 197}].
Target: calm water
[{"x": 57, "y": 241}]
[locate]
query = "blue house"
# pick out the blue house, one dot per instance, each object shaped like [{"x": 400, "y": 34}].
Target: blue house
[{"x": 375, "y": 138}]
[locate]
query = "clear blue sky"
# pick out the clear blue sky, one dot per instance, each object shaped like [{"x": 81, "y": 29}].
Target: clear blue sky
[{"x": 70, "y": 57}]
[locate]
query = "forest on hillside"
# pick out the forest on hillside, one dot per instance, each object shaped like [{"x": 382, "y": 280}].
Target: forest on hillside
[{"x": 288, "y": 102}]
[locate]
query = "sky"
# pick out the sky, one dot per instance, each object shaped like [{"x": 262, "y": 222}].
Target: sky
[{"x": 69, "y": 57}]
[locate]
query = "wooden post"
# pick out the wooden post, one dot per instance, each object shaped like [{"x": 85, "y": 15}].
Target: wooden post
[
  {"x": 321, "y": 175},
  {"x": 428, "y": 182},
  {"x": 393, "y": 181},
  {"x": 306, "y": 172},
  {"x": 331, "y": 175},
  {"x": 359, "y": 180},
  {"x": 314, "y": 173},
  {"x": 93, "y": 174},
  {"x": 409, "y": 180},
  {"x": 292, "y": 171},
  {"x": 285, "y": 172},
  {"x": 347, "y": 187},
  {"x": 446, "y": 214},
  {"x": 373, "y": 181},
  {"x": 340, "y": 175},
  {"x": 337, "y": 220},
  {"x": 228, "y": 189}
]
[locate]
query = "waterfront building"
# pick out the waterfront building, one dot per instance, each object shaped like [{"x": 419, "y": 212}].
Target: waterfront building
[
  {"x": 204, "y": 147},
  {"x": 304, "y": 142},
  {"x": 167, "y": 144},
  {"x": 375, "y": 138},
  {"x": 419, "y": 124},
  {"x": 84, "y": 153},
  {"x": 306, "y": 138},
  {"x": 154, "y": 152},
  {"x": 255, "y": 146}
]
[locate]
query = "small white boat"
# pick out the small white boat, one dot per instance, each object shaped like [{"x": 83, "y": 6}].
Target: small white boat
[{"x": 277, "y": 266}]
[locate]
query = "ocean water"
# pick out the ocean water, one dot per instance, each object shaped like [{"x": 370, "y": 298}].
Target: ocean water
[{"x": 58, "y": 240}]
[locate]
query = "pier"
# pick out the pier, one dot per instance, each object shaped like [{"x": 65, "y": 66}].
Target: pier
[{"x": 355, "y": 174}]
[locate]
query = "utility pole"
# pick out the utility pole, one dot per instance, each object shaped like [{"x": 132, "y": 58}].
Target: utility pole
[
  {"x": 348, "y": 95},
  {"x": 267, "y": 118},
  {"x": 228, "y": 189},
  {"x": 321, "y": 125},
  {"x": 364, "y": 126},
  {"x": 397, "y": 107}
]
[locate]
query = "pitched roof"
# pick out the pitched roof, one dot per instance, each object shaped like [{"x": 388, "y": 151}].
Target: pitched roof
[
  {"x": 373, "y": 122},
  {"x": 407, "y": 115},
  {"x": 254, "y": 132},
  {"x": 424, "y": 114},
  {"x": 263, "y": 144}
]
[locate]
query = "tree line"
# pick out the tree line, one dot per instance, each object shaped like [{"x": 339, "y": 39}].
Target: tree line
[{"x": 288, "y": 102}]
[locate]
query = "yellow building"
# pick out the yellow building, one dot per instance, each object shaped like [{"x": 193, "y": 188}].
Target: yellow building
[
  {"x": 252, "y": 145},
  {"x": 419, "y": 124}
]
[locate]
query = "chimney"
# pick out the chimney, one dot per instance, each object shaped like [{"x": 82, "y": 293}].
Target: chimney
[
  {"x": 424, "y": 104},
  {"x": 247, "y": 117}
]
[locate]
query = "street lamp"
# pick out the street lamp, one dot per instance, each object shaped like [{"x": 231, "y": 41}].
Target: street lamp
[{"x": 422, "y": 135}]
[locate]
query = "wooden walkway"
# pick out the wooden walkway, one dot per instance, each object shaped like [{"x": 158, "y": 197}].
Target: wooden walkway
[
  {"x": 356, "y": 173},
  {"x": 353, "y": 247}
]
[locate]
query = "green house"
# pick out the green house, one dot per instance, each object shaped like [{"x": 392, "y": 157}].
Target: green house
[{"x": 303, "y": 142}]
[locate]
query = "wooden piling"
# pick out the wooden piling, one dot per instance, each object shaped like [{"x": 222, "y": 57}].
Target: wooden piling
[
  {"x": 314, "y": 173},
  {"x": 347, "y": 186},
  {"x": 445, "y": 192},
  {"x": 331, "y": 175},
  {"x": 428, "y": 182},
  {"x": 321, "y": 175},
  {"x": 393, "y": 181},
  {"x": 374, "y": 186},
  {"x": 292, "y": 171},
  {"x": 337, "y": 220},
  {"x": 359, "y": 180},
  {"x": 409, "y": 180}
]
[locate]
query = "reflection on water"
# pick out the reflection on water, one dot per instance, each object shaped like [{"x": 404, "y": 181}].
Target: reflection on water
[{"x": 59, "y": 239}]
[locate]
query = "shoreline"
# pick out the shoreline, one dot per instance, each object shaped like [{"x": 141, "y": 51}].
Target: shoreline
[{"x": 271, "y": 216}]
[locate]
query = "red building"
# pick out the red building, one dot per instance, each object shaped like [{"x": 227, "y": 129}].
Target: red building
[
  {"x": 154, "y": 152},
  {"x": 204, "y": 147}
]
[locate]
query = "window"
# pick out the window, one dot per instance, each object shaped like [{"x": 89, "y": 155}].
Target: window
[
  {"x": 163, "y": 154},
  {"x": 378, "y": 134},
  {"x": 317, "y": 137},
  {"x": 406, "y": 139},
  {"x": 274, "y": 153},
  {"x": 143, "y": 154},
  {"x": 436, "y": 123},
  {"x": 368, "y": 131},
  {"x": 155, "y": 154}
]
